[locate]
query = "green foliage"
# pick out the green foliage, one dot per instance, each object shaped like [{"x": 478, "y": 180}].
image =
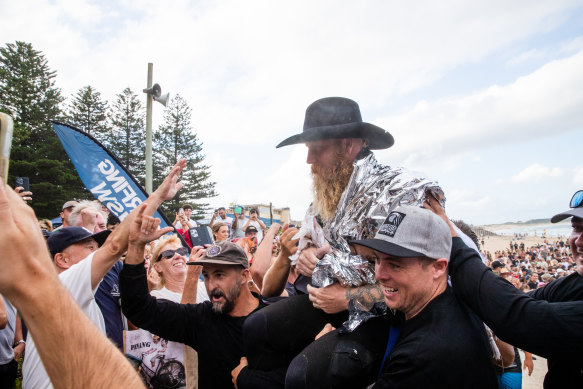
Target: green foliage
[
  {"x": 89, "y": 113},
  {"x": 174, "y": 140},
  {"x": 128, "y": 134},
  {"x": 29, "y": 95}
]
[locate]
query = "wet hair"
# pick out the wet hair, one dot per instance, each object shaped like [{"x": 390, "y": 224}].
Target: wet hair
[
  {"x": 112, "y": 220},
  {"x": 466, "y": 229}
]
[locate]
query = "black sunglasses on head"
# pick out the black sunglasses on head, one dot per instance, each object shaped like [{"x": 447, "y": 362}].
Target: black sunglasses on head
[{"x": 167, "y": 254}]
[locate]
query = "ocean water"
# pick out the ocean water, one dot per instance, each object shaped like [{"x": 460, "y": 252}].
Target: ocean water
[{"x": 554, "y": 230}]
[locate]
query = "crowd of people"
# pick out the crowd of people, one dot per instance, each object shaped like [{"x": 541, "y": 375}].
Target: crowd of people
[
  {"x": 376, "y": 288},
  {"x": 530, "y": 268}
]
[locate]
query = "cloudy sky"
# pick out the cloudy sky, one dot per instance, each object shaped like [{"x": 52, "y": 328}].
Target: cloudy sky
[{"x": 484, "y": 96}]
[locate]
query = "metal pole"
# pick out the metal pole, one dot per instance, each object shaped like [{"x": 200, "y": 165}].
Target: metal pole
[{"x": 149, "y": 132}]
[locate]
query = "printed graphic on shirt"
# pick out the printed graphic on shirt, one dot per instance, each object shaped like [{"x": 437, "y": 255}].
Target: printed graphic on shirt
[{"x": 392, "y": 222}]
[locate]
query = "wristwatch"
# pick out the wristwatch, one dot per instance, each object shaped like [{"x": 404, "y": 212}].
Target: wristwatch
[{"x": 18, "y": 342}]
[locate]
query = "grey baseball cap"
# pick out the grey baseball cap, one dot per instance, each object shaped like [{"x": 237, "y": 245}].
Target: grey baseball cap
[
  {"x": 223, "y": 253},
  {"x": 411, "y": 232}
]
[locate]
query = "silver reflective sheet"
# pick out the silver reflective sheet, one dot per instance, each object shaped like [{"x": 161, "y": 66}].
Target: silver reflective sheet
[{"x": 372, "y": 192}]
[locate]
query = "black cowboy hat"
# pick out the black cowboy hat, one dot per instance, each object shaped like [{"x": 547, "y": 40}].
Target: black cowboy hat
[{"x": 336, "y": 118}]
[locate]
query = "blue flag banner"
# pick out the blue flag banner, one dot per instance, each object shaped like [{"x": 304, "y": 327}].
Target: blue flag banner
[{"x": 102, "y": 174}]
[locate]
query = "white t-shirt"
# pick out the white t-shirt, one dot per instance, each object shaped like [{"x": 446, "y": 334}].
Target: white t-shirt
[
  {"x": 77, "y": 280},
  {"x": 167, "y": 294},
  {"x": 179, "y": 225},
  {"x": 239, "y": 232}
]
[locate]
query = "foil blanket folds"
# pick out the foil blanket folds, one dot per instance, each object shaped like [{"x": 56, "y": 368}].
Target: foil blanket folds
[{"x": 373, "y": 191}]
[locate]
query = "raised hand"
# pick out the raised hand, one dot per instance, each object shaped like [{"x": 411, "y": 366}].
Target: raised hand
[{"x": 144, "y": 228}]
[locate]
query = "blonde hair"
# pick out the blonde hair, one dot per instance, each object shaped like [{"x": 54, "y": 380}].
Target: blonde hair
[
  {"x": 45, "y": 224},
  {"x": 161, "y": 243},
  {"x": 217, "y": 227}
]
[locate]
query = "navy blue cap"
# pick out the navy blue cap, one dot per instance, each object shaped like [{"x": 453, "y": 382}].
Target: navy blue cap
[{"x": 64, "y": 237}]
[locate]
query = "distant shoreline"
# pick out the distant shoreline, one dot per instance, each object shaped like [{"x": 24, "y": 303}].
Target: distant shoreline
[
  {"x": 528, "y": 224},
  {"x": 494, "y": 227}
]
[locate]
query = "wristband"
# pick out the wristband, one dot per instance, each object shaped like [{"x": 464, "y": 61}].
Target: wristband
[{"x": 18, "y": 342}]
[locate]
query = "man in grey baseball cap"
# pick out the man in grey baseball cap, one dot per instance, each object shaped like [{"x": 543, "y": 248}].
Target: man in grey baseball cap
[{"x": 427, "y": 334}]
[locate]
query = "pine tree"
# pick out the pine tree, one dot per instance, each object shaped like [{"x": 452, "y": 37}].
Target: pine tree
[
  {"x": 29, "y": 95},
  {"x": 89, "y": 113},
  {"x": 174, "y": 140},
  {"x": 128, "y": 139}
]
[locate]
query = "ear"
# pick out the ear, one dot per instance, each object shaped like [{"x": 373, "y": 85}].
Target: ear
[
  {"x": 157, "y": 267},
  {"x": 61, "y": 261},
  {"x": 440, "y": 267}
]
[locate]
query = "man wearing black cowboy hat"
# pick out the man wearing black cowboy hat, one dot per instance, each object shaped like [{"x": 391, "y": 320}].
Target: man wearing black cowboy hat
[{"x": 350, "y": 190}]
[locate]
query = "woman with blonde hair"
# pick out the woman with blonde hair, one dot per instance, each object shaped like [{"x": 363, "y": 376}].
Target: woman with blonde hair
[
  {"x": 168, "y": 259},
  {"x": 220, "y": 231}
]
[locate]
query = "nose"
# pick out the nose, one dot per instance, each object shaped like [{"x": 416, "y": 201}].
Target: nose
[
  {"x": 579, "y": 240},
  {"x": 311, "y": 157},
  {"x": 382, "y": 272}
]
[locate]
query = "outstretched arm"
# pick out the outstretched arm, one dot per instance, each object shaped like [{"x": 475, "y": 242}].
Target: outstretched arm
[
  {"x": 276, "y": 276},
  {"x": 158, "y": 316},
  {"x": 543, "y": 328},
  {"x": 262, "y": 257},
  {"x": 49, "y": 310},
  {"x": 117, "y": 243}
]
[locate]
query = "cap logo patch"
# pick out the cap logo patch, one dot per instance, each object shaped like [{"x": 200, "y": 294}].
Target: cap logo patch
[
  {"x": 391, "y": 224},
  {"x": 213, "y": 251}
]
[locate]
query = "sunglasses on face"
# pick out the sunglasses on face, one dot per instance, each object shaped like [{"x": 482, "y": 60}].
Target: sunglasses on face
[
  {"x": 167, "y": 254},
  {"x": 577, "y": 199}
]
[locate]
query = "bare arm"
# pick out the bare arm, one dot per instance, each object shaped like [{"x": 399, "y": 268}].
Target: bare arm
[
  {"x": 192, "y": 277},
  {"x": 213, "y": 219},
  {"x": 335, "y": 298},
  {"x": 19, "y": 349},
  {"x": 3, "y": 314},
  {"x": 262, "y": 257},
  {"x": 506, "y": 352},
  {"x": 49, "y": 310},
  {"x": 276, "y": 276},
  {"x": 117, "y": 243}
]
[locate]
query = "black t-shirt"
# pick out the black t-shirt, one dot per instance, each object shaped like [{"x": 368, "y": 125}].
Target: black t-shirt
[
  {"x": 563, "y": 370},
  {"x": 548, "y": 322},
  {"x": 444, "y": 346},
  {"x": 217, "y": 338}
]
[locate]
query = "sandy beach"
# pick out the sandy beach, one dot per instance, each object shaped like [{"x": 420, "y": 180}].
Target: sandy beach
[{"x": 497, "y": 243}]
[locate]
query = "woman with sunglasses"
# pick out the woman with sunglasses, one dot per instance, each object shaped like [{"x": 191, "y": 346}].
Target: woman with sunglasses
[{"x": 169, "y": 259}]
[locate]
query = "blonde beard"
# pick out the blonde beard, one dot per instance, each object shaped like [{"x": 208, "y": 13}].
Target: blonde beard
[{"x": 328, "y": 186}]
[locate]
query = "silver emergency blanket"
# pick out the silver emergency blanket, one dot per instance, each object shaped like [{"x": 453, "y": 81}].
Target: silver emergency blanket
[{"x": 373, "y": 191}]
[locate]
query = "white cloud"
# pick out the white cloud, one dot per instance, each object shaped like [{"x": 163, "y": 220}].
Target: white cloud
[
  {"x": 249, "y": 70},
  {"x": 537, "y": 173},
  {"x": 525, "y": 56},
  {"x": 538, "y": 105}
]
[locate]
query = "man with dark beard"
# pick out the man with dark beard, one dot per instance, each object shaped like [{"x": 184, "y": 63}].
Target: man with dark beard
[
  {"x": 351, "y": 190},
  {"x": 212, "y": 328}
]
